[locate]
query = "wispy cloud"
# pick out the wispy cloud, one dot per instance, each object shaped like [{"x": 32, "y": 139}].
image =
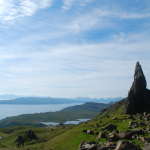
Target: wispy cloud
[
  {"x": 67, "y": 4},
  {"x": 13, "y": 9}
]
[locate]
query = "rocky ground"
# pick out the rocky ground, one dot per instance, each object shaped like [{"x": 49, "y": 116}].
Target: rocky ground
[{"x": 137, "y": 129}]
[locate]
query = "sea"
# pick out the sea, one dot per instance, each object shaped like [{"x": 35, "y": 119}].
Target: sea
[{"x": 15, "y": 110}]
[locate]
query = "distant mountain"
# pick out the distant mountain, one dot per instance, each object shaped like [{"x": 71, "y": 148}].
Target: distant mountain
[
  {"x": 101, "y": 100},
  {"x": 39, "y": 101},
  {"x": 12, "y": 96}
]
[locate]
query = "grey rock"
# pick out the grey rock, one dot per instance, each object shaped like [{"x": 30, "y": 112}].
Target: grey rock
[
  {"x": 138, "y": 99},
  {"x": 125, "y": 145},
  {"x": 90, "y": 131},
  {"x": 102, "y": 135}
]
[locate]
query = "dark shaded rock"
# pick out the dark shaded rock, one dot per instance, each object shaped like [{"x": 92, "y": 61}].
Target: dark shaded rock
[
  {"x": 138, "y": 100},
  {"x": 90, "y": 131},
  {"x": 130, "y": 116},
  {"x": 148, "y": 129},
  {"x": 97, "y": 125},
  {"x": 129, "y": 127},
  {"x": 96, "y": 133},
  {"x": 114, "y": 137},
  {"x": 102, "y": 135},
  {"x": 109, "y": 127},
  {"x": 133, "y": 123},
  {"x": 125, "y": 145},
  {"x": 128, "y": 135},
  {"x": 19, "y": 139},
  {"x": 89, "y": 145},
  {"x": 147, "y": 147},
  {"x": 84, "y": 130},
  {"x": 142, "y": 124},
  {"x": 137, "y": 131},
  {"x": 30, "y": 134},
  {"x": 114, "y": 118},
  {"x": 135, "y": 126}
]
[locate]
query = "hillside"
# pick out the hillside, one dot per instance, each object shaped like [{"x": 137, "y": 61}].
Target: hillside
[
  {"x": 87, "y": 110},
  {"x": 69, "y": 138}
]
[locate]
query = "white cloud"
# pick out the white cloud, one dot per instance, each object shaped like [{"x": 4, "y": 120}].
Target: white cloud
[
  {"x": 112, "y": 13},
  {"x": 69, "y": 3},
  {"x": 13, "y": 9},
  {"x": 100, "y": 18}
]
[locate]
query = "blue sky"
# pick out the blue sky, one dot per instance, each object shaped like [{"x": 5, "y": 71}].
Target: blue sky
[{"x": 71, "y": 48}]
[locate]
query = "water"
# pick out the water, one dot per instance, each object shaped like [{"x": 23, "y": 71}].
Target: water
[
  {"x": 15, "y": 110},
  {"x": 67, "y": 122}
]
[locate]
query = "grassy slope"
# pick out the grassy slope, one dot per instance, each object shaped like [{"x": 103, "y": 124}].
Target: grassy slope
[
  {"x": 87, "y": 110},
  {"x": 65, "y": 138}
]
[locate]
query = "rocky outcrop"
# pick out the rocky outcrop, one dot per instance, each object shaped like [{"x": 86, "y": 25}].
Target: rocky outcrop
[{"x": 138, "y": 100}]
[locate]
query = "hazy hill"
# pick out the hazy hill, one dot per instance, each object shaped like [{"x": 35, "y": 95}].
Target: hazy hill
[
  {"x": 101, "y": 100},
  {"x": 39, "y": 101}
]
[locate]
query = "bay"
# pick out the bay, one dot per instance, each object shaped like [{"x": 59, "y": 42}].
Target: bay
[
  {"x": 15, "y": 110},
  {"x": 67, "y": 122}
]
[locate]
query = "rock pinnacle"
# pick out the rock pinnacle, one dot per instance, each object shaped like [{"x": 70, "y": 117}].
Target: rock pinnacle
[{"x": 138, "y": 99}]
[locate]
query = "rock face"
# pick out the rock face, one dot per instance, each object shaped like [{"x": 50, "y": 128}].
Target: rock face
[{"x": 138, "y": 100}]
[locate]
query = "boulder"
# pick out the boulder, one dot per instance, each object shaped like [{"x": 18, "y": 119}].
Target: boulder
[
  {"x": 130, "y": 116},
  {"x": 114, "y": 137},
  {"x": 125, "y": 145},
  {"x": 102, "y": 135},
  {"x": 90, "y": 131},
  {"x": 109, "y": 127},
  {"x": 114, "y": 118},
  {"x": 84, "y": 130},
  {"x": 142, "y": 124},
  {"x": 128, "y": 135},
  {"x": 30, "y": 135},
  {"x": 133, "y": 123},
  {"x": 89, "y": 145},
  {"x": 97, "y": 125},
  {"x": 19, "y": 139}
]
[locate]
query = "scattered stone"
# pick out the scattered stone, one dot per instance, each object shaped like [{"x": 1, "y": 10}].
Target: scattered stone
[
  {"x": 90, "y": 145},
  {"x": 96, "y": 133},
  {"x": 109, "y": 127},
  {"x": 130, "y": 116},
  {"x": 148, "y": 129},
  {"x": 129, "y": 127},
  {"x": 142, "y": 124},
  {"x": 133, "y": 123},
  {"x": 125, "y": 145},
  {"x": 19, "y": 139},
  {"x": 97, "y": 125},
  {"x": 144, "y": 113},
  {"x": 114, "y": 137},
  {"x": 135, "y": 126},
  {"x": 133, "y": 137},
  {"x": 102, "y": 135},
  {"x": 90, "y": 131},
  {"x": 30, "y": 134},
  {"x": 84, "y": 130},
  {"x": 114, "y": 118}
]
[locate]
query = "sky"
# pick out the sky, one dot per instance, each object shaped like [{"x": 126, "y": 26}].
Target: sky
[{"x": 71, "y": 48}]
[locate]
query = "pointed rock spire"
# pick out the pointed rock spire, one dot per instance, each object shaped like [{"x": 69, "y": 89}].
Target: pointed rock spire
[{"x": 138, "y": 99}]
